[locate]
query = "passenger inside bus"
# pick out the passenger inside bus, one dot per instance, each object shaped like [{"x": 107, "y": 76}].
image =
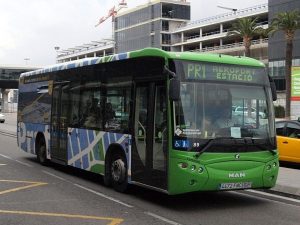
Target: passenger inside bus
[
  {"x": 109, "y": 115},
  {"x": 92, "y": 114},
  {"x": 219, "y": 113}
]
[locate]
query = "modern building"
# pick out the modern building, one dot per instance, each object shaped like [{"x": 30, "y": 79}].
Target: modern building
[
  {"x": 277, "y": 46},
  {"x": 211, "y": 34},
  {"x": 165, "y": 24},
  {"x": 99, "y": 48},
  {"x": 150, "y": 25}
]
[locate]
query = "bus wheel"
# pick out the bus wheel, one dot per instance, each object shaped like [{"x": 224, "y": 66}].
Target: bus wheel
[
  {"x": 42, "y": 154},
  {"x": 118, "y": 172}
]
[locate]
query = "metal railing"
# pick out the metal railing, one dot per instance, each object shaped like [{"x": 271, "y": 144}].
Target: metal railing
[
  {"x": 233, "y": 45},
  {"x": 237, "y": 14}
]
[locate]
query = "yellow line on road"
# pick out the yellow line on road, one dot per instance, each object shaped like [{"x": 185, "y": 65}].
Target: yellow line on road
[
  {"x": 32, "y": 184},
  {"x": 114, "y": 221}
]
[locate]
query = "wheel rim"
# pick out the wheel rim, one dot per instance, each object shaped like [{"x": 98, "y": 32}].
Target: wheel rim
[{"x": 118, "y": 170}]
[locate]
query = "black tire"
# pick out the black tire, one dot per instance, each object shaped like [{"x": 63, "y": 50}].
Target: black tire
[
  {"x": 41, "y": 153},
  {"x": 107, "y": 173},
  {"x": 118, "y": 172}
]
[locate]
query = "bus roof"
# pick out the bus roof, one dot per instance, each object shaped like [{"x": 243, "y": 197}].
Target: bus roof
[{"x": 202, "y": 57}]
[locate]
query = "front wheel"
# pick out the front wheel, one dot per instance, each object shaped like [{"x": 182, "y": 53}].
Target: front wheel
[{"x": 118, "y": 172}]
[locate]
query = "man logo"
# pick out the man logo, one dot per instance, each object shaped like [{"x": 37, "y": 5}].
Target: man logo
[{"x": 237, "y": 175}]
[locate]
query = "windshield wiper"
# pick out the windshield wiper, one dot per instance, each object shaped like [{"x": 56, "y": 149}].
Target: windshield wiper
[
  {"x": 245, "y": 140},
  {"x": 209, "y": 143},
  {"x": 259, "y": 144}
]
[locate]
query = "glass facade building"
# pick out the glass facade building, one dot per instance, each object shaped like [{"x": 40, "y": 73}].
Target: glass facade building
[
  {"x": 149, "y": 25},
  {"x": 277, "y": 43}
]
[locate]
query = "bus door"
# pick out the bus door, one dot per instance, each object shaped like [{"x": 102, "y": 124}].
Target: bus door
[
  {"x": 149, "y": 157},
  {"x": 59, "y": 122}
]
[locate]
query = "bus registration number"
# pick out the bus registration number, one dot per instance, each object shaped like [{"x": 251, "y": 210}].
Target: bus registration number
[{"x": 239, "y": 185}]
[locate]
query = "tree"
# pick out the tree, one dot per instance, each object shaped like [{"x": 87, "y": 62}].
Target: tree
[
  {"x": 288, "y": 22},
  {"x": 246, "y": 28}
]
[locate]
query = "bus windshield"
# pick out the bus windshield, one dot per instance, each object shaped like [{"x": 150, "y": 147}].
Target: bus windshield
[{"x": 209, "y": 110}]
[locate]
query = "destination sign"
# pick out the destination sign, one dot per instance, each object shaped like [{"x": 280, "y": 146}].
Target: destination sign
[{"x": 223, "y": 72}]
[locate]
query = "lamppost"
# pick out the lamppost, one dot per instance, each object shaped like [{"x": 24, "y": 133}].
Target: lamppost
[
  {"x": 56, "y": 48},
  {"x": 26, "y": 60}
]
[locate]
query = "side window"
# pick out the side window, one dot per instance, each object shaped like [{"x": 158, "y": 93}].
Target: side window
[
  {"x": 292, "y": 130},
  {"x": 75, "y": 105},
  {"x": 160, "y": 115},
  {"x": 89, "y": 106},
  {"x": 117, "y": 109},
  {"x": 280, "y": 128}
]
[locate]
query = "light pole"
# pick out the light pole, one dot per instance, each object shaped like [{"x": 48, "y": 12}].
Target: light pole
[
  {"x": 26, "y": 60},
  {"x": 231, "y": 9},
  {"x": 56, "y": 48}
]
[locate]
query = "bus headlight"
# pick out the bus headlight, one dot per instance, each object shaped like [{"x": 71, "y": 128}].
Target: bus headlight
[
  {"x": 200, "y": 170},
  {"x": 193, "y": 167}
]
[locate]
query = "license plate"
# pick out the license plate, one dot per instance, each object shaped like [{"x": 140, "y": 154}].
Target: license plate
[{"x": 239, "y": 185}]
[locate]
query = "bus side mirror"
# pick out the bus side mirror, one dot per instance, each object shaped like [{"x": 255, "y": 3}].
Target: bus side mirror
[
  {"x": 174, "y": 91},
  {"x": 273, "y": 89}
]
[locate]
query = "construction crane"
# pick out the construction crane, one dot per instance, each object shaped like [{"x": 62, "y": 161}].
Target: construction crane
[
  {"x": 231, "y": 9},
  {"x": 113, "y": 12}
]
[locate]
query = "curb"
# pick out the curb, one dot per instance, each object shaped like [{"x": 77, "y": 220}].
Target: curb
[{"x": 286, "y": 190}]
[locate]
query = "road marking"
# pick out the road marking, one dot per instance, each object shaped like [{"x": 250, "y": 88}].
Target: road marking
[
  {"x": 114, "y": 221},
  {"x": 18, "y": 161},
  {"x": 53, "y": 175},
  {"x": 31, "y": 185},
  {"x": 1, "y": 164},
  {"x": 274, "y": 196},
  {"x": 104, "y": 196},
  {"x": 25, "y": 164},
  {"x": 4, "y": 156},
  {"x": 162, "y": 218}
]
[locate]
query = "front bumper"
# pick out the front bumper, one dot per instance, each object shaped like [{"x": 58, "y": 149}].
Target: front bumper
[{"x": 223, "y": 175}]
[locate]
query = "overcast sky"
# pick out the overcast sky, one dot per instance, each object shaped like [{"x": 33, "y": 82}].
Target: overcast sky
[{"x": 32, "y": 28}]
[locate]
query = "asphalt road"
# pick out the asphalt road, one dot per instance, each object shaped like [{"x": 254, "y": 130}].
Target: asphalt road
[{"x": 31, "y": 194}]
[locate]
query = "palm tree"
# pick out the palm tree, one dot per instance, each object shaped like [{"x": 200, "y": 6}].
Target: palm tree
[
  {"x": 246, "y": 28},
  {"x": 288, "y": 22}
]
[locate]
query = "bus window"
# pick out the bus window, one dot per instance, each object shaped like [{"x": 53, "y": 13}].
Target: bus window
[
  {"x": 74, "y": 105},
  {"x": 160, "y": 129},
  {"x": 89, "y": 113},
  {"x": 117, "y": 108}
]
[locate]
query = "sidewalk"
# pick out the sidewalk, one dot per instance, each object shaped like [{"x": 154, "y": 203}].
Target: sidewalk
[{"x": 288, "y": 181}]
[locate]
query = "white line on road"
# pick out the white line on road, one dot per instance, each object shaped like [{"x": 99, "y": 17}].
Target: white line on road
[
  {"x": 53, "y": 175},
  {"x": 25, "y": 164},
  {"x": 5, "y": 156},
  {"x": 274, "y": 196},
  {"x": 1, "y": 164},
  {"x": 162, "y": 218},
  {"x": 104, "y": 196}
]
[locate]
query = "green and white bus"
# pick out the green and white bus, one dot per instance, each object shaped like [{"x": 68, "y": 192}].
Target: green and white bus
[{"x": 161, "y": 120}]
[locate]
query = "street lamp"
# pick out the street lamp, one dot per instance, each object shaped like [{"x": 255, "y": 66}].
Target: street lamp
[
  {"x": 56, "y": 48},
  {"x": 231, "y": 9},
  {"x": 26, "y": 60}
]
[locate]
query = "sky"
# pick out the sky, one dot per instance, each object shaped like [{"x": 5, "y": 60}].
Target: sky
[{"x": 30, "y": 29}]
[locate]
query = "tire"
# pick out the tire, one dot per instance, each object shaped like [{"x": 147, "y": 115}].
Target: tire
[
  {"x": 41, "y": 153},
  {"x": 118, "y": 172}
]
